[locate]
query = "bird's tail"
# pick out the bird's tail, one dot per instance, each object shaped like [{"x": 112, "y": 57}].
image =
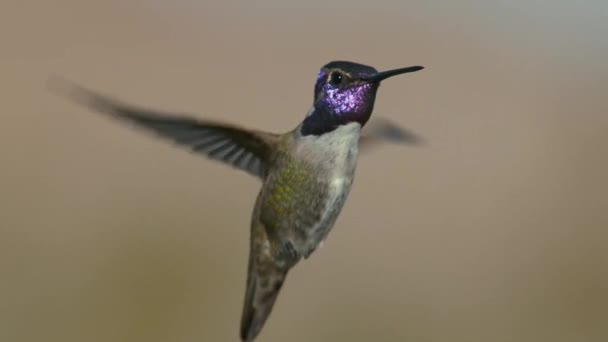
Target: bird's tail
[{"x": 263, "y": 287}]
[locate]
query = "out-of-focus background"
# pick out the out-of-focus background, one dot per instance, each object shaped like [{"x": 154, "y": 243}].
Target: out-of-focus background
[{"x": 495, "y": 230}]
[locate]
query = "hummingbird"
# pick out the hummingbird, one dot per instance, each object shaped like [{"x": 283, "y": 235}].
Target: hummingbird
[{"x": 306, "y": 173}]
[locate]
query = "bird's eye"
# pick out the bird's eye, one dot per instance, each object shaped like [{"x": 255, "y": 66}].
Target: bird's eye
[{"x": 335, "y": 79}]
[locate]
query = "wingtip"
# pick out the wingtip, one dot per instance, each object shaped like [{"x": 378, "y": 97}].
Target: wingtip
[
  {"x": 406, "y": 136},
  {"x": 390, "y": 131},
  {"x": 58, "y": 85},
  {"x": 65, "y": 88}
]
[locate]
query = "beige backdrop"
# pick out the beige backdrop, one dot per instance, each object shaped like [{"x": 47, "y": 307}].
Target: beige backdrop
[{"x": 495, "y": 230}]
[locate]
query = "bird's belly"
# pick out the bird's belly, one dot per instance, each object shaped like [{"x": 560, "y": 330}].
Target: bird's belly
[
  {"x": 337, "y": 192},
  {"x": 303, "y": 196},
  {"x": 304, "y": 212}
]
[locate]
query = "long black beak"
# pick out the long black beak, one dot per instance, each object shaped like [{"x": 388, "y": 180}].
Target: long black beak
[{"x": 386, "y": 74}]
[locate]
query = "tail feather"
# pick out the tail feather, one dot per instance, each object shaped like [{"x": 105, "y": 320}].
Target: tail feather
[{"x": 262, "y": 291}]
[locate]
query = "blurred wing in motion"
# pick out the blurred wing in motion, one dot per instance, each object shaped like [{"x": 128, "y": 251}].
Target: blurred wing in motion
[
  {"x": 244, "y": 149},
  {"x": 383, "y": 130}
]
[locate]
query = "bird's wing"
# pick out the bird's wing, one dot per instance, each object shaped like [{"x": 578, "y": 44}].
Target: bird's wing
[
  {"x": 244, "y": 149},
  {"x": 384, "y": 130}
]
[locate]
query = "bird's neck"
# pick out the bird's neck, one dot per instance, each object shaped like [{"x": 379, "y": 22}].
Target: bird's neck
[
  {"x": 343, "y": 137},
  {"x": 334, "y": 151},
  {"x": 320, "y": 120}
]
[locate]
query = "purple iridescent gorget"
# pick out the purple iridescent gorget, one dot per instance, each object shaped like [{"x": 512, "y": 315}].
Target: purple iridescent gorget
[
  {"x": 337, "y": 105},
  {"x": 352, "y": 100},
  {"x": 345, "y": 92}
]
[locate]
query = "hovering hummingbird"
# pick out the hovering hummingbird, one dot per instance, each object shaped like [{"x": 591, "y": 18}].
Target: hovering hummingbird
[{"x": 306, "y": 173}]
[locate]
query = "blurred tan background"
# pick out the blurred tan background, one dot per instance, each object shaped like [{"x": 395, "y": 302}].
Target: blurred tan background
[{"x": 495, "y": 230}]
